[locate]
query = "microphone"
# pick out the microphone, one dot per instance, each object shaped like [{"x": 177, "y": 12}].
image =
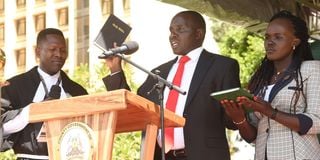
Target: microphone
[
  {"x": 126, "y": 48},
  {"x": 54, "y": 93}
]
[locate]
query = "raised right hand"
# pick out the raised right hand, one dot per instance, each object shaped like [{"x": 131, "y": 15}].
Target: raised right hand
[{"x": 114, "y": 62}]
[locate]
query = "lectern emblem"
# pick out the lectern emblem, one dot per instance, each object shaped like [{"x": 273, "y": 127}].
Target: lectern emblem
[{"x": 76, "y": 142}]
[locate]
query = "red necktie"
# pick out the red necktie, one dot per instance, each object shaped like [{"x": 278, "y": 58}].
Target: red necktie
[{"x": 172, "y": 101}]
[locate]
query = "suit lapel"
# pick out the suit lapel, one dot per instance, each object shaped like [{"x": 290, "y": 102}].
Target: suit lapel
[
  {"x": 205, "y": 61},
  {"x": 35, "y": 76},
  {"x": 150, "y": 82},
  {"x": 30, "y": 83},
  {"x": 164, "y": 70}
]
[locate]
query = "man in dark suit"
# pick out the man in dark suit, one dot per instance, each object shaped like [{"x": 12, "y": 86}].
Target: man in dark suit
[
  {"x": 44, "y": 82},
  {"x": 203, "y": 137}
]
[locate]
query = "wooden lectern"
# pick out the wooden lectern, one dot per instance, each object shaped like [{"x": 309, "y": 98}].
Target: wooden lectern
[{"x": 106, "y": 114}]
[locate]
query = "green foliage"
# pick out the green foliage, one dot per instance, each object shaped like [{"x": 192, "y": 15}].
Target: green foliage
[
  {"x": 92, "y": 83},
  {"x": 8, "y": 155},
  {"x": 127, "y": 146},
  {"x": 246, "y": 47}
]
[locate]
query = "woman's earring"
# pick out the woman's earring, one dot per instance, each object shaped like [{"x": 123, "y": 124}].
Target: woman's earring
[{"x": 294, "y": 47}]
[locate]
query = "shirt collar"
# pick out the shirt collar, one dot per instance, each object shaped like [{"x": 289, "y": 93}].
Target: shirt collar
[
  {"x": 48, "y": 76},
  {"x": 194, "y": 54}
]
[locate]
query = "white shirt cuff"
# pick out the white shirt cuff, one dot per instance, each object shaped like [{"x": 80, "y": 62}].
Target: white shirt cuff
[
  {"x": 111, "y": 74},
  {"x": 18, "y": 122}
]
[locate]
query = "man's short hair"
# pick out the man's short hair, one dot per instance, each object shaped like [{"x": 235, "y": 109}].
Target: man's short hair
[
  {"x": 42, "y": 35},
  {"x": 197, "y": 18}
]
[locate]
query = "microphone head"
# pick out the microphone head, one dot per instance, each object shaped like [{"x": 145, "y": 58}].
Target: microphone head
[
  {"x": 127, "y": 48},
  {"x": 55, "y": 92},
  {"x": 132, "y": 47}
]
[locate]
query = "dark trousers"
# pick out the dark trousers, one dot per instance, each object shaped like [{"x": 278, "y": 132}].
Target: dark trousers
[
  {"x": 171, "y": 155},
  {"x": 176, "y": 155},
  {"x": 28, "y": 159}
]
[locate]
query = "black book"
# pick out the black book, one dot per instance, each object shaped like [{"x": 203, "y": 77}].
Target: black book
[{"x": 114, "y": 30}]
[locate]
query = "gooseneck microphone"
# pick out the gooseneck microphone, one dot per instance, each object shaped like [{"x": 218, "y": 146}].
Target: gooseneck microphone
[
  {"x": 126, "y": 48},
  {"x": 55, "y": 92}
]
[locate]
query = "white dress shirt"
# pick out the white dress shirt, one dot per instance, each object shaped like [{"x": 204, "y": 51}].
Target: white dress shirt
[{"x": 189, "y": 68}]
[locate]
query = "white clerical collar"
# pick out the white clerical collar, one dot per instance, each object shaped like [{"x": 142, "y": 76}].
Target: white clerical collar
[
  {"x": 46, "y": 75},
  {"x": 49, "y": 81}
]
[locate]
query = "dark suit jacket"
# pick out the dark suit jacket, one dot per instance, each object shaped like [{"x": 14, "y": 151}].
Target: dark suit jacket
[
  {"x": 20, "y": 93},
  {"x": 204, "y": 130}
]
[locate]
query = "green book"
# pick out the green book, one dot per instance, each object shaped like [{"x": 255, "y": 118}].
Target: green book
[{"x": 232, "y": 94}]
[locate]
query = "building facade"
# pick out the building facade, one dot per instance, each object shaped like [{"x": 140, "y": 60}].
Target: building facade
[{"x": 80, "y": 21}]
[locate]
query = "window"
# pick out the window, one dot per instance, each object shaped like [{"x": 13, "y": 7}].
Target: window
[
  {"x": 63, "y": 16},
  {"x": 36, "y": 58},
  {"x": 40, "y": 1},
  {"x": 106, "y": 6},
  {"x": 40, "y": 21},
  {"x": 82, "y": 40},
  {"x": 1, "y": 33},
  {"x": 21, "y": 26},
  {"x": 81, "y": 4},
  {"x": 67, "y": 44},
  {"x": 21, "y": 3},
  {"x": 1, "y": 6},
  {"x": 2, "y": 63},
  {"x": 82, "y": 55},
  {"x": 126, "y": 4},
  {"x": 83, "y": 29},
  {"x": 21, "y": 57}
]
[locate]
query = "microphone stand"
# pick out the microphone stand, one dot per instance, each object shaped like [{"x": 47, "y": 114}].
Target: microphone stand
[{"x": 159, "y": 87}]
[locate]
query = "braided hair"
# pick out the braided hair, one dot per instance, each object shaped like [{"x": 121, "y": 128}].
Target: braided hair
[{"x": 262, "y": 77}]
